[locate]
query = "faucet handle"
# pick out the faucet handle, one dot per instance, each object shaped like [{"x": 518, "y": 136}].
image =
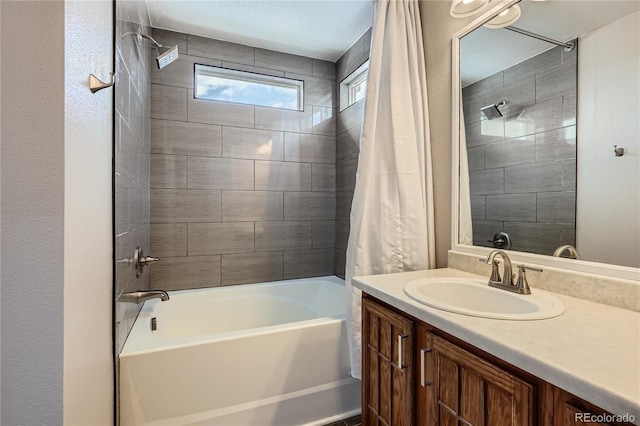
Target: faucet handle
[
  {"x": 140, "y": 261},
  {"x": 495, "y": 274},
  {"x": 522, "y": 283}
]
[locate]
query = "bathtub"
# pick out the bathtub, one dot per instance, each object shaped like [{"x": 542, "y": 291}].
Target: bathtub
[{"x": 259, "y": 354}]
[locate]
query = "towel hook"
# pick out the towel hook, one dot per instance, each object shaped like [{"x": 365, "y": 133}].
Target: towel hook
[
  {"x": 618, "y": 151},
  {"x": 95, "y": 84}
]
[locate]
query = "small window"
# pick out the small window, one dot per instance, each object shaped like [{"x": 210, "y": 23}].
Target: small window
[
  {"x": 223, "y": 84},
  {"x": 354, "y": 87}
]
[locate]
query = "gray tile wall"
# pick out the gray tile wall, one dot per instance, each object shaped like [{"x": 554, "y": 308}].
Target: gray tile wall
[
  {"x": 348, "y": 129},
  {"x": 240, "y": 194},
  {"x": 132, "y": 158},
  {"x": 523, "y": 166}
]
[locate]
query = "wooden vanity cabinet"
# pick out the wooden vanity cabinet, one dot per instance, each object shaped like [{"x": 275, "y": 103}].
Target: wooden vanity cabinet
[
  {"x": 415, "y": 374},
  {"x": 387, "y": 385},
  {"x": 456, "y": 387}
]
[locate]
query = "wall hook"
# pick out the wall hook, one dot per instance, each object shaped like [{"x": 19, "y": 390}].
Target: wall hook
[
  {"x": 95, "y": 84},
  {"x": 618, "y": 151}
]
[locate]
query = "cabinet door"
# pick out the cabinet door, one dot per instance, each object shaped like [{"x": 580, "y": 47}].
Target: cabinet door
[
  {"x": 570, "y": 410},
  {"x": 387, "y": 347},
  {"x": 456, "y": 387}
]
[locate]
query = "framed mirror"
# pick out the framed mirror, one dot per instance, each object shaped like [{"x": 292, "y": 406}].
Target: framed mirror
[{"x": 546, "y": 134}]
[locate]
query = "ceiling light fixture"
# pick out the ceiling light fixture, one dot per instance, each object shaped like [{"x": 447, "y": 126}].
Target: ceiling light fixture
[
  {"x": 505, "y": 18},
  {"x": 464, "y": 8}
]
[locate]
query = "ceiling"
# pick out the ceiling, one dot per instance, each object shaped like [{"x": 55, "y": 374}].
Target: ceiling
[
  {"x": 318, "y": 29},
  {"x": 485, "y": 52}
]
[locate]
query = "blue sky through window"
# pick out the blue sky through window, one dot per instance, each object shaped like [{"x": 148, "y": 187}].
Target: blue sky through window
[{"x": 242, "y": 89}]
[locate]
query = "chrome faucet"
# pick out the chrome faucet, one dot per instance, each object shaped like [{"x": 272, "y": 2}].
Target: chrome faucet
[
  {"x": 521, "y": 286},
  {"x": 494, "y": 279},
  {"x": 142, "y": 296},
  {"x": 573, "y": 253}
]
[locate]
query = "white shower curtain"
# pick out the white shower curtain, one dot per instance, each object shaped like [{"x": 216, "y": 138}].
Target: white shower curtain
[
  {"x": 465, "y": 225},
  {"x": 392, "y": 225}
]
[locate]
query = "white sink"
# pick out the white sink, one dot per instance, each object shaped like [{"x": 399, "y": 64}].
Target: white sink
[{"x": 475, "y": 298}]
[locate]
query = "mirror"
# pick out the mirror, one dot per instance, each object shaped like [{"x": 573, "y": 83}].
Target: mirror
[{"x": 538, "y": 125}]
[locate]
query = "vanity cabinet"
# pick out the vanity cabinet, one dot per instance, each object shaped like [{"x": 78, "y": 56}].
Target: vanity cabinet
[
  {"x": 456, "y": 387},
  {"x": 415, "y": 374},
  {"x": 387, "y": 366}
]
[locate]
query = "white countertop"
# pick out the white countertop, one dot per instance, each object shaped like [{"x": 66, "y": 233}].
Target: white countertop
[{"x": 591, "y": 351}]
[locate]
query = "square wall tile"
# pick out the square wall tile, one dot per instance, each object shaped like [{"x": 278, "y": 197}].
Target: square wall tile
[
  {"x": 324, "y": 120},
  {"x": 555, "y": 145},
  {"x": 317, "y": 91},
  {"x": 168, "y": 239},
  {"x": 252, "y": 268},
  {"x": 309, "y": 205},
  {"x": 309, "y": 263},
  {"x": 324, "y": 69},
  {"x": 242, "y": 206},
  {"x": 220, "y": 238},
  {"x": 324, "y": 234},
  {"x": 218, "y": 49},
  {"x": 168, "y": 171},
  {"x": 181, "y": 138},
  {"x": 252, "y": 144},
  {"x": 350, "y": 117},
  {"x": 307, "y": 148},
  {"x": 219, "y": 173},
  {"x": 485, "y": 182},
  {"x": 168, "y": 103},
  {"x": 279, "y": 236},
  {"x": 181, "y": 273},
  {"x": 537, "y": 177},
  {"x": 281, "y": 176},
  {"x": 284, "y": 120},
  {"x": 184, "y": 205},
  {"x": 556, "y": 207},
  {"x": 346, "y": 175},
  {"x": 283, "y": 61},
  {"x": 348, "y": 144},
  {"x": 324, "y": 177},
  {"x": 511, "y": 152},
  {"x": 216, "y": 112},
  {"x": 511, "y": 207}
]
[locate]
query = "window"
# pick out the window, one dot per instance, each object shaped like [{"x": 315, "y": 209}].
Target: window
[
  {"x": 354, "y": 87},
  {"x": 223, "y": 84}
]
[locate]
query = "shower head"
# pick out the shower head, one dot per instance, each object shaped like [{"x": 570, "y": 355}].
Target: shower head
[
  {"x": 493, "y": 111},
  {"x": 166, "y": 54}
]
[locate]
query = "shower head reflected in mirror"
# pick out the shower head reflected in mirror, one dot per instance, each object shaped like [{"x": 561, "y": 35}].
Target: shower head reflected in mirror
[
  {"x": 491, "y": 112},
  {"x": 166, "y": 54}
]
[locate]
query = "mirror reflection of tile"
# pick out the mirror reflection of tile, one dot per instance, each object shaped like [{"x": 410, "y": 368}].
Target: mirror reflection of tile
[{"x": 522, "y": 166}]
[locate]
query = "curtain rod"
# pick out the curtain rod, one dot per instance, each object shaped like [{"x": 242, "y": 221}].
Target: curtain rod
[{"x": 568, "y": 46}]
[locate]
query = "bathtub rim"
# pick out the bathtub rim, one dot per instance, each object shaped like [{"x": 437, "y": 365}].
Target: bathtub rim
[{"x": 146, "y": 314}]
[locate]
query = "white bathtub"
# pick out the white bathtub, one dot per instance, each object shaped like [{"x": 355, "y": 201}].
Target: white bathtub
[{"x": 259, "y": 354}]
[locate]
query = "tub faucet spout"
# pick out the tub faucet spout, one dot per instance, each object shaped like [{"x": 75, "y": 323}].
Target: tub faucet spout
[{"x": 142, "y": 296}]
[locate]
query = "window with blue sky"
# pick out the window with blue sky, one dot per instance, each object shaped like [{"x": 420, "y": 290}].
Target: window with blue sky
[{"x": 223, "y": 84}]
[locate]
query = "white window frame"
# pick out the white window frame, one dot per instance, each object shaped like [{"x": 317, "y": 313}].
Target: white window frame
[
  {"x": 349, "y": 84},
  {"x": 250, "y": 77}
]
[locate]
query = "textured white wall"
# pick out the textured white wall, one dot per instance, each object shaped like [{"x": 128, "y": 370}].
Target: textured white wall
[
  {"x": 32, "y": 211},
  {"x": 438, "y": 28},
  {"x": 88, "y": 288},
  {"x": 608, "y": 195},
  {"x": 56, "y": 214}
]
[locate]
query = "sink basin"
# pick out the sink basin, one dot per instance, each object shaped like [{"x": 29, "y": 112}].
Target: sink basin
[{"x": 475, "y": 298}]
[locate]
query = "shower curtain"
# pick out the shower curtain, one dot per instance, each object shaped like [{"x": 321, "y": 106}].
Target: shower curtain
[
  {"x": 392, "y": 224},
  {"x": 465, "y": 225}
]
